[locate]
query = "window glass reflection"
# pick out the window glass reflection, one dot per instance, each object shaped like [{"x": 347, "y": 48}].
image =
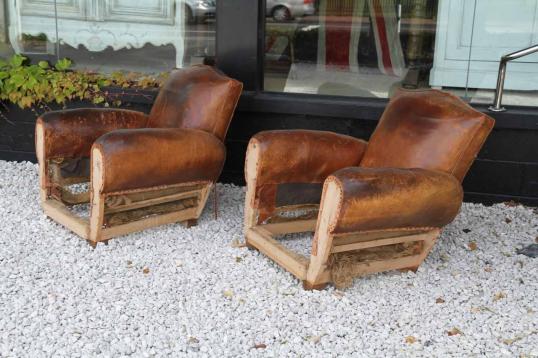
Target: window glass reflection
[
  {"x": 498, "y": 28},
  {"x": 351, "y": 47},
  {"x": 147, "y": 36},
  {"x": 366, "y": 48}
]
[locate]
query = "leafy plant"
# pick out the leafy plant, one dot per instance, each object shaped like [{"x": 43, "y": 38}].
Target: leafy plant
[{"x": 28, "y": 85}]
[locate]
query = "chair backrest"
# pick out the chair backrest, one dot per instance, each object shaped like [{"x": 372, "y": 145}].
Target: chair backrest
[
  {"x": 198, "y": 97},
  {"x": 428, "y": 129}
]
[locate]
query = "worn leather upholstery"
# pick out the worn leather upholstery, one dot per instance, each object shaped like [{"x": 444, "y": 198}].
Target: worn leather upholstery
[
  {"x": 180, "y": 141},
  {"x": 176, "y": 156},
  {"x": 298, "y": 156},
  {"x": 71, "y": 133},
  {"x": 394, "y": 198},
  {"x": 431, "y": 130},
  {"x": 428, "y": 129},
  {"x": 196, "y": 98},
  {"x": 303, "y": 156}
]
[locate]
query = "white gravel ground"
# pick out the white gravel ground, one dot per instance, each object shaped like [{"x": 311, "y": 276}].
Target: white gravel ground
[{"x": 176, "y": 291}]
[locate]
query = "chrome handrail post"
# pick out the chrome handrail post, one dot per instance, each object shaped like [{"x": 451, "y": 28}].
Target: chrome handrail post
[{"x": 496, "y": 107}]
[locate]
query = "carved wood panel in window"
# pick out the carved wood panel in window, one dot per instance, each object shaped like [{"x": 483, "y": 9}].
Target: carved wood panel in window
[
  {"x": 98, "y": 24},
  {"x": 67, "y": 9}
]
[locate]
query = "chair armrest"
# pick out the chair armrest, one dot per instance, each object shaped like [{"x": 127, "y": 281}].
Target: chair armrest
[
  {"x": 71, "y": 133},
  {"x": 150, "y": 157},
  {"x": 294, "y": 157},
  {"x": 389, "y": 198},
  {"x": 300, "y": 156}
]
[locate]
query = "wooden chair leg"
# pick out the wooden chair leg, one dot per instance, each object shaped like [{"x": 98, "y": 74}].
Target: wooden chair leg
[
  {"x": 216, "y": 201},
  {"x": 317, "y": 274},
  {"x": 93, "y": 244},
  {"x": 190, "y": 223},
  {"x": 426, "y": 248},
  {"x": 97, "y": 200},
  {"x": 310, "y": 287},
  {"x": 428, "y": 245},
  {"x": 251, "y": 164},
  {"x": 411, "y": 268},
  {"x": 249, "y": 246},
  {"x": 40, "y": 153}
]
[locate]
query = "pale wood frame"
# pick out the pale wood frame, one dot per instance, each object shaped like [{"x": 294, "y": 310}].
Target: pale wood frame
[
  {"x": 314, "y": 272},
  {"x": 92, "y": 228}
]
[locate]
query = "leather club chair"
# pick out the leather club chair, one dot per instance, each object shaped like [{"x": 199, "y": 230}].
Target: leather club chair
[
  {"x": 374, "y": 206},
  {"x": 144, "y": 170}
]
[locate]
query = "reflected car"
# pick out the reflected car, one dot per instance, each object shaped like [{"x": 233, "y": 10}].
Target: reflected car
[
  {"x": 197, "y": 11},
  {"x": 286, "y": 10}
]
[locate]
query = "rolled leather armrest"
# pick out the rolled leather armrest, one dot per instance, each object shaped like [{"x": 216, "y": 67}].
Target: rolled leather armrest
[
  {"x": 149, "y": 157},
  {"x": 301, "y": 156},
  {"x": 71, "y": 133},
  {"x": 390, "y": 198}
]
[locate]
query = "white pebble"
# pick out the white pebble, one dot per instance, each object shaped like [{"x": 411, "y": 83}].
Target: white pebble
[{"x": 59, "y": 297}]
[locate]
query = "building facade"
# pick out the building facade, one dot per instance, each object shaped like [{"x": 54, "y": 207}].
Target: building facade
[{"x": 315, "y": 64}]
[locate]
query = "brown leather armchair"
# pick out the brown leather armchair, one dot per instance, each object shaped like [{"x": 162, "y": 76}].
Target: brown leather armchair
[
  {"x": 374, "y": 206},
  {"x": 144, "y": 170}
]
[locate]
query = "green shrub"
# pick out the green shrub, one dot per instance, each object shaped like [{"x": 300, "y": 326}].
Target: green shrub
[{"x": 28, "y": 85}]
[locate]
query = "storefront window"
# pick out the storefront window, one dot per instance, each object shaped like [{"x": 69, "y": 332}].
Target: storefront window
[
  {"x": 350, "y": 47},
  {"x": 5, "y": 48},
  {"x": 148, "y": 36},
  {"x": 489, "y": 29},
  {"x": 367, "y": 48}
]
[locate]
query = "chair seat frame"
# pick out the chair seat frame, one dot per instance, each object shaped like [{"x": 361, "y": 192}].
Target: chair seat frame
[
  {"x": 114, "y": 214},
  {"x": 315, "y": 273}
]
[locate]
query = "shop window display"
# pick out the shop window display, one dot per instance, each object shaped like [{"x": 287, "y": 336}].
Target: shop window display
[{"x": 367, "y": 48}]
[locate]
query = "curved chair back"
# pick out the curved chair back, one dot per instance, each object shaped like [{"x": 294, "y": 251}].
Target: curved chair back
[
  {"x": 198, "y": 97},
  {"x": 428, "y": 129}
]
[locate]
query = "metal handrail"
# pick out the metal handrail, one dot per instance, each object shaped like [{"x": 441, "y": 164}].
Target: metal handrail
[{"x": 496, "y": 107}]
